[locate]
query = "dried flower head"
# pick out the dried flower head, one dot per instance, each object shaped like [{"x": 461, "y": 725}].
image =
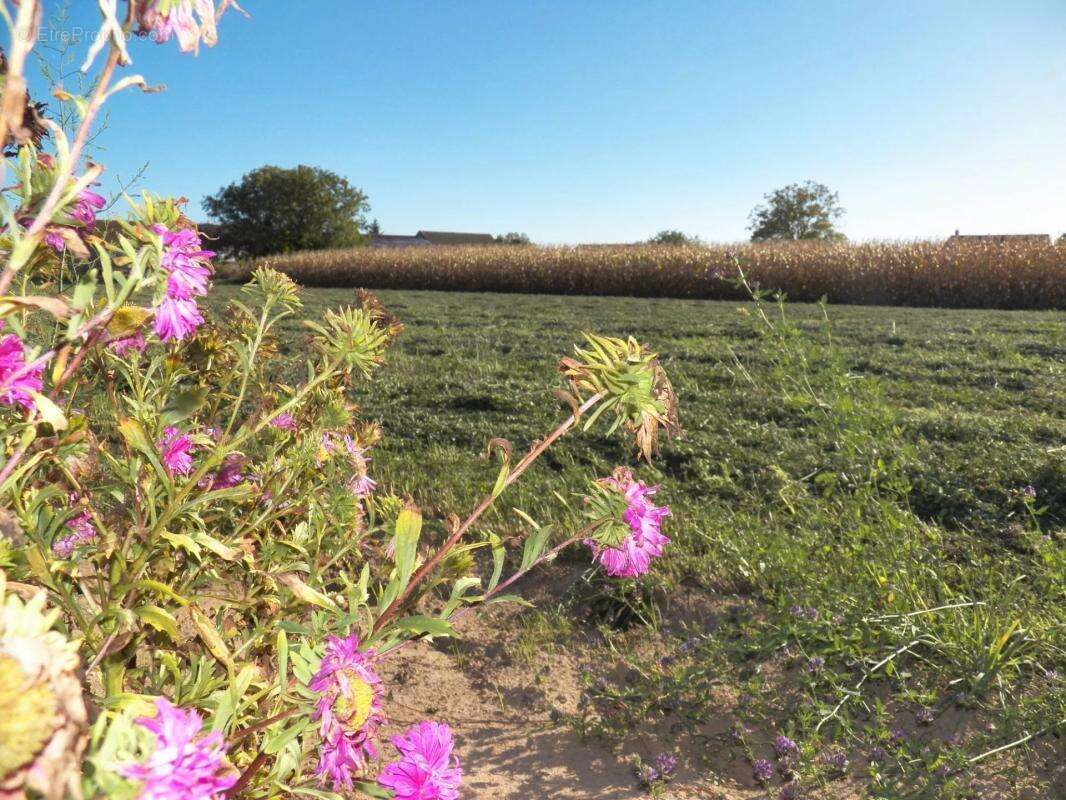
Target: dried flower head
[{"x": 43, "y": 721}]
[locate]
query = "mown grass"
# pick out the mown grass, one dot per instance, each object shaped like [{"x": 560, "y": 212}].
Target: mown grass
[
  {"x": 1008, "y": 276},
  {"x": 854, "y": 491}
]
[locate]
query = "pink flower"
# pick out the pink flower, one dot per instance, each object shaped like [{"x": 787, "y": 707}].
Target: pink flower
[
  {"x": 16, "y": 381},
  {"x": 228, "y": 476},
  {"x": 348, "y": 710},
  {"x": 175, "y": 449},
  {"x": 177, "y": 319},
  {"x": 182, "y": 767},
  {"x": 284, "y": 422},
  {"x": 85, "y": 208},
  {"x": 644, "y": 542},
  {"x": 426, "y": 769},
  {"x": 54, "y": 239},
  {"x": 187, "y": 266},
  {"x": 82, "y": 532},
  {"x": 128, "y": 344}
]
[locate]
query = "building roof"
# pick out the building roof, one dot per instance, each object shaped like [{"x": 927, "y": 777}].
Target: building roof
[
  {"x": 1001, "y": 238},
  {"x": 392, "y": 240},
  {"x": 448, "y": 237}
]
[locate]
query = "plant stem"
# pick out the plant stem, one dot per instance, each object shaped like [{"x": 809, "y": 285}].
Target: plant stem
[{"x": 537, "y": 450}]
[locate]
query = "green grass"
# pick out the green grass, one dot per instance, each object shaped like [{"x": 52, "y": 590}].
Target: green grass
[{"x": 872, "y": 470}]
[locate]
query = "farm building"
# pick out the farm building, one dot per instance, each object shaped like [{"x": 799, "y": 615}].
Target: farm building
[
  {"x": 1000, "y": 238},
  {"x": 423, "y": 238}
]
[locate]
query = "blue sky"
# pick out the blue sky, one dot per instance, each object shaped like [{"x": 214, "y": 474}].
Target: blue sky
[{"x": 607, "y": 121}]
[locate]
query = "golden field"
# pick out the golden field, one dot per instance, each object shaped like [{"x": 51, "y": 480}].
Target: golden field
[{"x": 1007, "y": 276}]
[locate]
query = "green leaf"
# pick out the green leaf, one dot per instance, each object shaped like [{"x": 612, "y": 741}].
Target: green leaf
[
  {"x": 282, "y": 646},
  {"x": 163, "y": 589},
  {"x": 499, "y": 553},
  {"x": 534, "y": 546},
  {"x": 408, "y": 530},
  {"x": 183, "y": 405},
  {"x": 183, "y": 541},
  {"x": 426, "y": 626},
  {"x": 215, "y": 546},
  {"x": 305, "y": 592},
  {"x": 49, "y": 411},
  {"x": 210, "y": 636},
  {"x": 160, "y": 619}
]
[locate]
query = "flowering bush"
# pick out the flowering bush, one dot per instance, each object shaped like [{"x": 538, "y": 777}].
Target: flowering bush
[{"x": 200, "y": 576}]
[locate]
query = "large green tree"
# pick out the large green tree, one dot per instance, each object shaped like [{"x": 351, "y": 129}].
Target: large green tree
[
  {"x": 278, "y": 210},
  {"x": 797, "y": 211}
]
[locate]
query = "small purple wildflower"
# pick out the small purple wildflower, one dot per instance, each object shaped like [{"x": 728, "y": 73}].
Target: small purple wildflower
[
  {"x": 284, "y": 422},
  {"x": 926, "y": 716},
  {"x": 762, "y": 770},
  {"x": 897, "y": 736},
  {"x": 837, "y": 761},
  {"x": 666, "y": 764},
  {"x": 877, "y": 754},
  {"x": 783, "y": 746},
  {"x": 814, "y": 665}
]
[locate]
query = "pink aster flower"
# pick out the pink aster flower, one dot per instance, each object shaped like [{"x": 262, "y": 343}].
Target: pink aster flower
[
  {"x": 348, "y": 710},
  {"x": 128, "y": 344},
  {"x": 85, "y": 208},
  {"x": 16, "y": 381},
  {"x": 228, "y": 476},
  {"x": 183, "y": 766},
  {"x": 175, "y": 449},
  {"x": 426, "y": 770},
  {"x": 177, "y": 319},
  {"x": 188, "y": 267},
  {"x": 632, "y": 557},
  {"x": 284, "y": 422}
]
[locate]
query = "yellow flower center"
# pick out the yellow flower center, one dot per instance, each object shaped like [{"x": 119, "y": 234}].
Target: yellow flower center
[{"x": 354, "y": 709}]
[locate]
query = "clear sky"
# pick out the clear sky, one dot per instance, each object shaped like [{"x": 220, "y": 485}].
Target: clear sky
[{"x": 608, "y": 121}]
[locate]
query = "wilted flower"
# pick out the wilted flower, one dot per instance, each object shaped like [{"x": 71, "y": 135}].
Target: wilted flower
[
  {"x": 182, "y": 766},
  {"x": 360, "y": 484},
  {"x": 43, "y": 722},
  {"x": 643, "y": 541},
  {"x": 191, "y": 21},
  {"x": 176, "y": 319},
  {"x": 17, "y": 383},
  {"x": 348, "y": 710},
  {"x": 762, "y": 770},
  {"x": 426, "y": 770},
  {"x": 175, "y": 450}
]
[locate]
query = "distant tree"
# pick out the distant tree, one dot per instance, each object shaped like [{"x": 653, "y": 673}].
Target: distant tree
[
  {"x": 374, "y": 228},
  {"x": 513, "y": 238},
  {"x": 673, "y": 237},
  {"x": 278, "y": 210},
  {"x": 797, "y": 211},
  {"x": 1061, "y": 241}
]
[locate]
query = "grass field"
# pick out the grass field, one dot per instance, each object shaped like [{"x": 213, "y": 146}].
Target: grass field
[{"x": 853, "y": 493}]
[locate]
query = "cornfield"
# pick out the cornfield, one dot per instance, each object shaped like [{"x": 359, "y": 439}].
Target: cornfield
[{"x": 1007, "y": 276}]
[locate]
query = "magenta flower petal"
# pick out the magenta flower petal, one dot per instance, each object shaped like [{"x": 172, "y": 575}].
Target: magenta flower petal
[
  {"x": 175, "y": 451},
  {"x": 184, "y": 765},
  {"x": 426, "y": 769},
  {"x": 633, "y": 556},
  {"x": 16, "y": 382},
  {"x": 177, "y": 319}
]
